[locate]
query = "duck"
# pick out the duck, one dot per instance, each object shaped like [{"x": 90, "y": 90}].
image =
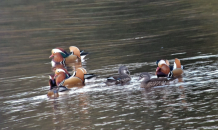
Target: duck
[
  {"x": 53, "y": 85},
  {"x": 177, "y": 64},
  {"x": 56, "y": 79},
  {"x": 63, "y": 78},
  {"x": 147, "y": 82},
  {"x": 59, "y": 61},
  {"x": 122, "y": 78},
  {"x": 54, "y": 89},
  {"x": 59, "y": 55},
  {"x": 165, "y": 70}
]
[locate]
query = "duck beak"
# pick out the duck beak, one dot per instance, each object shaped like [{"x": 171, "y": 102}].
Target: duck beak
[
  {"x": 158, "y": 69},
  {"x": 51, "y": 56},
  {"x": 140, "y": 78}
]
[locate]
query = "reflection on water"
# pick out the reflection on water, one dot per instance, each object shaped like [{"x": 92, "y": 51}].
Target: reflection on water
[{"x": 132, "y": 33}]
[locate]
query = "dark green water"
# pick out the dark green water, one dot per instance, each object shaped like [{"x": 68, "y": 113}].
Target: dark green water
[{"x": 134, "y": 33}]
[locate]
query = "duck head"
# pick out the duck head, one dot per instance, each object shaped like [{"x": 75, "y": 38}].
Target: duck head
[
  {"x": 145, "y": 76},
  {"x": 159, "y": 62},
  {"x": 57, "y": 59},
  {"x": 60, "y": 75},
  {"x": 58, "y": 50},
  {"x": 60, "y": 71},
  {"x": 163, "y": 70},
  {"x": 123, "y": 70}
]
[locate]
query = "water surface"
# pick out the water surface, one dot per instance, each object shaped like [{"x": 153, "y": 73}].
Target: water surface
[{"x": 134, "y": 33}]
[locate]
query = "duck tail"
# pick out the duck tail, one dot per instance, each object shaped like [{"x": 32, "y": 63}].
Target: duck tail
[
  {"x": 170, "y": 75},
  {"x": 89, "y": 76}
]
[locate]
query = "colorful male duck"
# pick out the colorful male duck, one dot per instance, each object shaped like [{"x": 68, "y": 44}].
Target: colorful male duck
[
  {"x": 61, "y": 56},
  {"x": 122, "y": 78},
  {"x": 53, "y": 85},
  {"x": 165, "y": 70},
  {"x": 62, "y": 77},
  {"x": 54, "y": 89},
  {"x": 147, "y": 82}
]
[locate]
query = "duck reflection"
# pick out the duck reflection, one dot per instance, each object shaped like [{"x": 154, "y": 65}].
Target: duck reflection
[
  {"x": 147, "y": 82},
  {"x": 71, "y": 66},
  {"x": 78, "y": 105},
  {"x": 166, "y": 99}
]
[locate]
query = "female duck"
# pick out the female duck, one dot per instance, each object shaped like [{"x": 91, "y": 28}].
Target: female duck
[
  {"x": 147, "y": 82},
  {"x": 122, "y": 78}
]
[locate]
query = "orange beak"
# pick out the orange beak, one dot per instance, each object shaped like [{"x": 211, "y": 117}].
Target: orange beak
[
  {"x": 51, "y": 56},
  {"x": 158, "y": 68}
]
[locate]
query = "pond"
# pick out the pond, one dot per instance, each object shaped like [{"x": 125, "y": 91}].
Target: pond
[{"x": 133, "y": 33}]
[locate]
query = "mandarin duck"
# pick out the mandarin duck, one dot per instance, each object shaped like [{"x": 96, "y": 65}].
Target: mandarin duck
[
  {"x": 59, "y": 55},
  {"x": 62, "y": 77},
  {"x": 165, "y": 70},
  {"x": 147, "y": 82},
  {"x": 53, "y": 85},
  {"x": 54, "y": 89},
  {"x": 122, "y": 78}
]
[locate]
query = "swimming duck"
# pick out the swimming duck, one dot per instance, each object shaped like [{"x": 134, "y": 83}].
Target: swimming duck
[
  {"x": 59, "y": 55},
  {"x": 53, "y": 85},
  {"x": 58, "y": 60},
  {"x": 62, "y": 77},
  {"x": 165, "y": 70},
  {"x": 122, "y": 78},
  {"x": 54, "y": 89},
  {"x": 147, "y": 82},
  {"x": 177, "y": 64}
]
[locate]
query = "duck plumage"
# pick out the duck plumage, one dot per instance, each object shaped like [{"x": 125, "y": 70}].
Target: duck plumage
[{"x": 122, "y": 78}]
